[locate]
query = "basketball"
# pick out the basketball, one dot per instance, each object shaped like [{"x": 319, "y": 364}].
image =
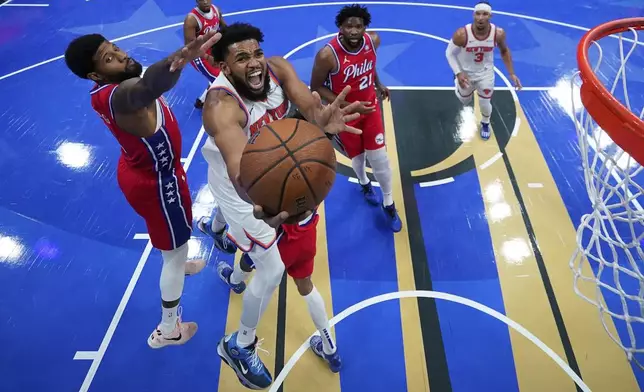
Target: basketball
[{"x": 288, "y": 165}]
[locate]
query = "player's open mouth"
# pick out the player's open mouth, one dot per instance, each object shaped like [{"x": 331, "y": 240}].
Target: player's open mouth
[
  {"x": 354, "y": 41},
  {"x": 255, "y": 80}
]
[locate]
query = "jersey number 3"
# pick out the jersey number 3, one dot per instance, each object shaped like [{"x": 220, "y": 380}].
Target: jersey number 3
[
  {"x": 478, "y": 57},
  {"x": 366, "y": 81}
]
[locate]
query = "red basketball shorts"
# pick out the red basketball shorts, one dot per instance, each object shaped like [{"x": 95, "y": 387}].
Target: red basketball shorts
[
  {"x": 162, "y": 200},
  {"x": 208, "y": 70},
  {"x": 297, "y": 246},
  {"x": 372, "y": 137}
]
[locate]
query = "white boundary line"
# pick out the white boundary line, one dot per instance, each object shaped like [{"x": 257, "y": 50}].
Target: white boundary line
[
  {"x": 437, "y": 295},
  {"x": 326, "y": 4},
  {"x": 450, "y": 88},
  {"x": 5, "y": 3},
  {"x": 23, "y": 5},
  {"x": 437, "y": 182}
]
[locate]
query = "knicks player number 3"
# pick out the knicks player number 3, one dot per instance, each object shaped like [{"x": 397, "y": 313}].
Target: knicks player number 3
[{"x": 478, "y": 57}]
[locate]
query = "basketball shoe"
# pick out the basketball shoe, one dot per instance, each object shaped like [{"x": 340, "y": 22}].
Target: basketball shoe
[
  {"x": 222, "y": 242},
  {"x": 181, "y": 333},
  {"x": 250, "y": 369},
  {"x": 225, "y": 271}
]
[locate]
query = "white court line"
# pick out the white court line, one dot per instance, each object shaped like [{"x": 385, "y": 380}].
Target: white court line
[
  {"x": 130, "y": 287},
  {"x": 535, "y": 185},
  {"x": 23, "y": 5},
  {"x": 355, "y": 180},
  {"x": 328, "y": 4},
  {"x": 450, "y": 88},
  {"x": 490, "y": 161},
  {"x": 5, "y": 3},
  {"x": 437, "y": 182},
  {"x": 85, "y": 355},
  {"x": 437, "y": 295}
]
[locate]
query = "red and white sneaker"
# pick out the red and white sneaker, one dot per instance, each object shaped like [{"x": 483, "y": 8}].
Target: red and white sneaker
[{"x": 181, "y": 334}]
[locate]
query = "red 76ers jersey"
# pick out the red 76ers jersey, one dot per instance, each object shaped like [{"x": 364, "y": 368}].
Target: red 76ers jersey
[
  {"x": 207, "y": 22},
  {"x": 354, "y": 69}
]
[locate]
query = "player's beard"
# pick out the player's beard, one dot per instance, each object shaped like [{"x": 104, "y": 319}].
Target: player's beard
[
  {"x": 242, "y": 88},
  {"x": 133, "y": 70}
]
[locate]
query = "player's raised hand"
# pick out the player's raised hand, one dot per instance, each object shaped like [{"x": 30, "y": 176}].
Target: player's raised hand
[
  {"x": 333, "y": 118},
  {"x": 195, "y": 49}
]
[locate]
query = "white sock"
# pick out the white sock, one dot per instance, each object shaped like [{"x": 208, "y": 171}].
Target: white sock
[
  {"x": 238, "y": 275},
  {"x": 315, "y": 303},
  {"x": 379, "y": 161},
  {"x": 171, "y": 284},
  {"x": 168, "y": 320},
  {"x": 359, "y": 164},
  {"x": 486, "y": 109},
  {"x": 219, "y": 222},
  {"x": 245, "y": 336}
]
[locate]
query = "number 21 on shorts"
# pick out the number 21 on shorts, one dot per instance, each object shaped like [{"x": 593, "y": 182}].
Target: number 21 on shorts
[{"x": 366, "y": 81}]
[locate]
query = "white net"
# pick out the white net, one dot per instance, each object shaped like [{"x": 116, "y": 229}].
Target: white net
[{"x": 608, "y": 265}]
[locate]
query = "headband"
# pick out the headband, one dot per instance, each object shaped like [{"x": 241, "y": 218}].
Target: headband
[{"x": 483, "y": 7}]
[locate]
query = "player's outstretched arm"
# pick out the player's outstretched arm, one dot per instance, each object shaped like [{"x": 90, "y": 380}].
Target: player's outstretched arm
[
  {"x": 223, "y": 119},
  {"x": 506, "y": 56},
  {"x": 135, "y": 94},
  {"x": 332, "y": 118}
]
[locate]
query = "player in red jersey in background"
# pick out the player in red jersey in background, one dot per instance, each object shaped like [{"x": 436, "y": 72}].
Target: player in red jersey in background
[
  {"x": 349, "y": 59},
  {"x": 149, "y": 171},
  {"x": 202, "y": 19}
]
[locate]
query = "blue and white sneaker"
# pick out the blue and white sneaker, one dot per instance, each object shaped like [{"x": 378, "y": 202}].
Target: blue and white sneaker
[
  {"x": 485, "y": 131},
  {"x": 222, "y": 242},
  {"x": 333, "y": 360},
  {"x": 392, "y": 216},
  {"x": 225, "y": 271},
  {"x": 369, "y": 194},
  {"x": 250, "y": 369}
]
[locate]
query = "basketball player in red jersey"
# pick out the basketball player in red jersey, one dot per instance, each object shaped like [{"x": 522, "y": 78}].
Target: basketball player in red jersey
[
  {"x": 349, "y": 59},
  {"x": 202, "y": 19},
  {"x": 149, "y": 170},
  {"x": 252, "y": 91},
  {"x": 470, "y": 54}
]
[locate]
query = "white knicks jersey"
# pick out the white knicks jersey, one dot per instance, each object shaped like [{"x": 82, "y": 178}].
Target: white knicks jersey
[
  {"x": 477, "y": 57},
  {"x": 258, "y": 113}
]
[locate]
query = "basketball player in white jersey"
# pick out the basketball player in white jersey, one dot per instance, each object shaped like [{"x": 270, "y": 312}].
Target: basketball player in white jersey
[
  {"x": 470, "y": 54},
  {"x": 250, "y": 92}
]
